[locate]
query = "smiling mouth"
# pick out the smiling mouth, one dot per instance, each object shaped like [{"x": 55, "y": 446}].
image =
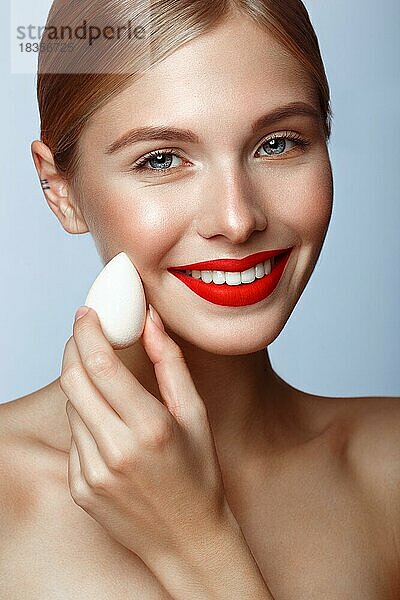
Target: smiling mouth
[{"x": 218, "y": 277}]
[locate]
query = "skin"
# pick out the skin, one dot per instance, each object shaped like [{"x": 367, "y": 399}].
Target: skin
[
  {"x": 224, "y": 200},
  {"x": 290, "y": 449}
]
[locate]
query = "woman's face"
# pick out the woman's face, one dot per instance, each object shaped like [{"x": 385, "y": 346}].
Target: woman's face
[{"x": 227, "y": 194}]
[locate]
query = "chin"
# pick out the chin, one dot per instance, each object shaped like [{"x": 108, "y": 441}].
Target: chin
[{"x": 249, "y": 339}]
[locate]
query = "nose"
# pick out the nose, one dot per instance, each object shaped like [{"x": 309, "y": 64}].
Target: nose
[{"x": 229, "y": 206}]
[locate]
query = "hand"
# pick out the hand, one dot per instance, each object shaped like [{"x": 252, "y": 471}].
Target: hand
[{"x": 146, "y": 470}]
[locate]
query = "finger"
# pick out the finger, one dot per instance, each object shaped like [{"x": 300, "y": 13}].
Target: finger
[
  {"x": 127, "y": 396},
  {"x": 74, "y": 466},
  {"x": 92, "y": 465},
  {"x": 74, "y": 463},
  {"x": 104, "y": 424},
  {"x": 76, "y": 481},
  {"x": 173, "y": 376}
]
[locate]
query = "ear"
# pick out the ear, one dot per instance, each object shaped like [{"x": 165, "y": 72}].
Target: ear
[{"x": 58, "y": 194}]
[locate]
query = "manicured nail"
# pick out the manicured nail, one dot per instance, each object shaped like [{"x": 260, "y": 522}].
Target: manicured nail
[
  {"x": 156, "y": 317},
  {"x": 82, "y": 310}
]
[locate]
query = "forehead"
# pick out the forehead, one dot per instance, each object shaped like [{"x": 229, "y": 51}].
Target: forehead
[{"x": 238, "y": 69}]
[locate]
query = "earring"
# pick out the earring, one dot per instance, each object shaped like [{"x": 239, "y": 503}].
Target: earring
[{"x": 45, "y": 184}]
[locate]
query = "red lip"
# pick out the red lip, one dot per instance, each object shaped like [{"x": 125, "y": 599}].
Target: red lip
[
  {"x": 238, "y": 295},
  {"x": 231, "y": 264}
]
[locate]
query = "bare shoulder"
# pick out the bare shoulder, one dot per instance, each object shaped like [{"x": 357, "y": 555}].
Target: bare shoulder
[
  {"x": 374, "y": 443},
  {"x": 16, "y": 492},
  {"x": 374, "y": 455},
  {"x": 26, "y": 461},
  {"x": 370, "y": 426},
  {"x": 367, "y": 428}
]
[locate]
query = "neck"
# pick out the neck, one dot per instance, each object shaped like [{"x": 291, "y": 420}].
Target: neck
[{"x": 248, "y": 404}]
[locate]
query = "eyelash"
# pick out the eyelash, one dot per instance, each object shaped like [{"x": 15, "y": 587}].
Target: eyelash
[{"x": 139, "y": 165}]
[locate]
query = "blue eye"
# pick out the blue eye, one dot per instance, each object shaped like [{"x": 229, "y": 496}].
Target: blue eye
[
  {"x": 161, "y": 161},
  {"x": 277, "y": 144},
  {"x": 157, "y": 159}
]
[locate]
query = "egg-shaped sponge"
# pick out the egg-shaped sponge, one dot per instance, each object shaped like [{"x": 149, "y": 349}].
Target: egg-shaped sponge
[{"x": 117, "y": 295}]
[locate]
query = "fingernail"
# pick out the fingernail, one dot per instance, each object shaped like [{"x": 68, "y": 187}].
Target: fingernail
[
  {"x": 155, "y": 317},
  {"x": 82, "y": 310}
]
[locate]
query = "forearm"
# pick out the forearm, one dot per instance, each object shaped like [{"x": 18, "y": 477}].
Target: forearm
[{"x": 217, "y": 567}]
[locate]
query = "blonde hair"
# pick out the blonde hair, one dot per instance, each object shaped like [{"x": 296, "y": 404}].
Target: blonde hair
[{"x": 67, "y": 99}]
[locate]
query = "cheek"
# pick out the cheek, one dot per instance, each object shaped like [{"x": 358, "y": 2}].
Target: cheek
[
  {"x": 144, "y": 227},
  {"x": 307, "y": 205}
]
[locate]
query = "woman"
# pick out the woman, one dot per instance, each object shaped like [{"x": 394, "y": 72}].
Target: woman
[{"x": 306, "y": 489}]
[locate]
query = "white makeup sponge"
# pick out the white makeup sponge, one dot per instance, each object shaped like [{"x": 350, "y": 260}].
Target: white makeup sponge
[{"x": 117, "y": 295}]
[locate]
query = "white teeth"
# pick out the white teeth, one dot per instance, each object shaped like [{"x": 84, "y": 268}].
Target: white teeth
[
  {"x": 248, "y": 276},
  {"x": 206, "y": 276},
  {"x": 260, "y": 272},
  {"x": 234, "y": 277},
  {"x": 268, "y": 265},
  {"x": 218, "y": 277}
]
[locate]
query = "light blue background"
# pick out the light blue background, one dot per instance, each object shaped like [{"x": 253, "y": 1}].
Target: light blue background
[{"x": 343, "y": 338}]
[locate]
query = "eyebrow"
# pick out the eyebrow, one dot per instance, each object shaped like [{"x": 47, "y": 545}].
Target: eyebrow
[{"x": 186, "y": 135}]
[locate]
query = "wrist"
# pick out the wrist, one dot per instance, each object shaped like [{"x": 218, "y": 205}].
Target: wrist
[{"x": 215, "y": 566}]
